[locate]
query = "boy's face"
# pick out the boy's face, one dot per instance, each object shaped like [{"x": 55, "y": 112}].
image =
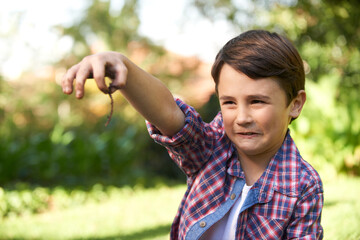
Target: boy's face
[{"x": 255, "y": 113}]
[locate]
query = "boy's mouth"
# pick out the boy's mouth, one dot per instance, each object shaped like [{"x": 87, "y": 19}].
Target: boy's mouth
[{"x": 247, "y": 133}]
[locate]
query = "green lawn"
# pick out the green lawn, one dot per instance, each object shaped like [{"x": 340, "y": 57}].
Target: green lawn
[
  {"x": 341, "y": 213},
  {"x": 148, "y": 213}
]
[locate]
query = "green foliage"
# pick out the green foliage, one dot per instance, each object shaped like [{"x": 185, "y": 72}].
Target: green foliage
[
  {"x": 49, "y": 138},
  {"x": 45, "y": 140},
  {"x": 24, "y": 200}
]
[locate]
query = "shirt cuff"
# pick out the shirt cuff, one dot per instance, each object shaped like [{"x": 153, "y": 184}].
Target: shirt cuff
[{"x": 183, "y": 136}]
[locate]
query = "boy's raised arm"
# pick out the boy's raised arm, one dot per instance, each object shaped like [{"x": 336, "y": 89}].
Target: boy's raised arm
[{"x": 147, "y": 94}]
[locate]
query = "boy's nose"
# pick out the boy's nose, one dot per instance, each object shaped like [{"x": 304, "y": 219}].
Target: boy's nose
[{"x": 243, "y": 116}]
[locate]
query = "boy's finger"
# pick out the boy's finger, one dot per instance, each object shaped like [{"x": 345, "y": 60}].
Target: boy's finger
[
  {"x": 120, "y": 77},
  {"x": 81, "y": 75},
  {"x": 68, "y": 79},
  {"x": 99, "y": 75}
]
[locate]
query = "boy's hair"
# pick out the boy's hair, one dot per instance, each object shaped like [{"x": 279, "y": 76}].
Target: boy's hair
[{"x": 261, "y": 54}]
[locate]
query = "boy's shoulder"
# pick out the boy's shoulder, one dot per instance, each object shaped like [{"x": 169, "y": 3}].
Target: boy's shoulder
[
  {"x": 292, "y": 174},
  {"x": 309, "y": 178}
]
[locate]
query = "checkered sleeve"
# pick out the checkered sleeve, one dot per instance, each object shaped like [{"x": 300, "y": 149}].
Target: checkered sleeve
[
  {"x": 305, "y": 224},
  {"x": 192, "y": 146}
]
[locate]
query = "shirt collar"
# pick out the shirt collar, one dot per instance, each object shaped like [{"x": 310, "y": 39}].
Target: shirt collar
[
  {"x": 234, "y": 168},
  {"x": 278, "y": 175},
  {"x": 281, "y": 173}
]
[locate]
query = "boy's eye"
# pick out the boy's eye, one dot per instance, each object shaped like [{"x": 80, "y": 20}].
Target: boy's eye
[
  {"x": 257, "y": 101},
  {"x": 228, "y": 102}
]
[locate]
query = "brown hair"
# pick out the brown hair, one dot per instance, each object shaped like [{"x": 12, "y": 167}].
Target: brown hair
[{"x": 261, "y": 54}]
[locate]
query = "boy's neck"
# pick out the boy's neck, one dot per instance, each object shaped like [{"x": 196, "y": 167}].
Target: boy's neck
[{"x": 253, "y": 168}]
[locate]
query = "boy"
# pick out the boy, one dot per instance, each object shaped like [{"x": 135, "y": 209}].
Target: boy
[{"x": 246, "y": 178}]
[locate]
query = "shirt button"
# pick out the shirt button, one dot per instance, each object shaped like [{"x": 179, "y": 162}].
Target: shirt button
[
  {"x": 233, "y": 196},
  {"x": 202, "y": 224}
]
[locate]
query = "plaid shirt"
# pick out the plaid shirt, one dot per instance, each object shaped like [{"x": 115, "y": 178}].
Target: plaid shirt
[{"x": 285, "y": 202}]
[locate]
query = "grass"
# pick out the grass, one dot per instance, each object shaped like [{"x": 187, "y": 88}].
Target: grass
[
  {"x": 138, "y": 213},
  {"x": 341, "y": 212}
]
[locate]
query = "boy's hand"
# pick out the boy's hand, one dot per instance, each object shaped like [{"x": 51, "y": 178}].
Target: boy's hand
[
  {"x": 147, "y": 94},
  {"x": 97, "y": 66}
]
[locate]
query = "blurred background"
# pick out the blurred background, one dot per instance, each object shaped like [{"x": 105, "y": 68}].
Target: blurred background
[{"x": 55, "y": 151}]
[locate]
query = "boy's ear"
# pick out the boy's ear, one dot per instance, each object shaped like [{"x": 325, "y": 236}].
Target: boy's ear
[{"x": 297, "y": 104}]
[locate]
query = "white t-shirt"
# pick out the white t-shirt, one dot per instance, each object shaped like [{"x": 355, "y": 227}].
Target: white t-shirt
[{"x": 225, "y": 229}]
